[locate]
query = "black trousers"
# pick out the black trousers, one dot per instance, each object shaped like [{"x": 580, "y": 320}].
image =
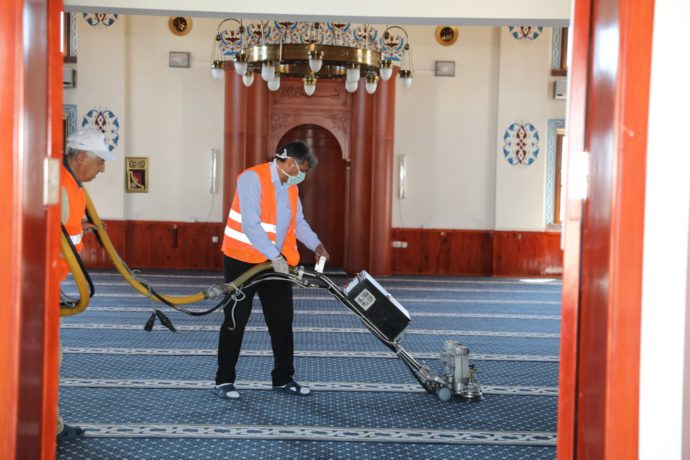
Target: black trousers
[{"x": 276, "y": 303}]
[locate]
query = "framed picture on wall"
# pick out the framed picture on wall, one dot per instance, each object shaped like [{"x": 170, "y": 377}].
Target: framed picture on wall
[
  {"x": 445, "y": 69},
  {"x": 179, "y": 59},
  {"x": 137, "y": 174}
]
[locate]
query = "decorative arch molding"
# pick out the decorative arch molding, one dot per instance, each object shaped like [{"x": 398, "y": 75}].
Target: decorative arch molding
[
  {"x": 329, "y": 108},
  {"x": 338, "y": 124}
]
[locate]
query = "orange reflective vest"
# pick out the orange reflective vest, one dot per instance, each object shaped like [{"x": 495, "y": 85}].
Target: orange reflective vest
[
  {"x": 76, "y": 203},
  {"x": 236, "y": 244}
]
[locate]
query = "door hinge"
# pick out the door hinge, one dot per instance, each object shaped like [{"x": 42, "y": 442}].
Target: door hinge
[
  {"x": 578, "y": 180},
  {"x": 51, "y": 181}
]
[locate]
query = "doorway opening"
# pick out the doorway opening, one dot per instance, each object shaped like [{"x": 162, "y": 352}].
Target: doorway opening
[{"x": 323, "y": 192}]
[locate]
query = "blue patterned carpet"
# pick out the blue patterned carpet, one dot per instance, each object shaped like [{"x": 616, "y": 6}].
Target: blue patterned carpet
[{"x": 147, "y": 395}]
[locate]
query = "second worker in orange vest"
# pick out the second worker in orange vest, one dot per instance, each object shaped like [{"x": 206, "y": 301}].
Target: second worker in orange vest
[
  {"x": 264, "y": 223},
  {"x": 85, "y": 158}
]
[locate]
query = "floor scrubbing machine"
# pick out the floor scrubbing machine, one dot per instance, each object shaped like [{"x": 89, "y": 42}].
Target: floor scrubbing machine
[{"x": 387, "y": 319}]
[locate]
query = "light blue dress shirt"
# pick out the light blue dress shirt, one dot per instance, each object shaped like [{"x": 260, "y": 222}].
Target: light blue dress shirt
[{"x": 249, "y": 193}]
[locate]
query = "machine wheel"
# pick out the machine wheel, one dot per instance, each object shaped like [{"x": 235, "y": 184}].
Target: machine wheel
[{"x": 443, "y": 394}]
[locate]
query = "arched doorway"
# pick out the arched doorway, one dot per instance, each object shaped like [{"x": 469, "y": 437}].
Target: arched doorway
[{"x": 323, "y": 192}]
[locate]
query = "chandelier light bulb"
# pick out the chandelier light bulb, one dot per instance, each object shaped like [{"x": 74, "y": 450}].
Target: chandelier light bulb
[
  {"x": 353, "y": 74},
  {"x": 309, "y": 85},
  {"x": 315, "y": 64},
  {"x": 248, "y": 78},
  {"x": 351, "y": 86},
  {"x": 217, "y": 71},
  {"x": 386, "y": 70},
  {"x": 268, "y": 71},
  {"x": 274, "y": 83},
  {"x": 240, "y": 63},
  {"x": 315, "y": 60},
  {"x": 371, "y": 84},
  {"x": 240, "y": 67},
  {"x": 406, "y": 78}
]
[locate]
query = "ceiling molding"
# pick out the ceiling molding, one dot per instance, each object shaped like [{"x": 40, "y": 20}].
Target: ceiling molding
[{"x": 549, "y": 13}]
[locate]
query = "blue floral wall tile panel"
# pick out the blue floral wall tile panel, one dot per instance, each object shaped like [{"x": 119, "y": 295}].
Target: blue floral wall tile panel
[
  {"x": 106, "y": 122},
  {"x": 73, "y": 35},
  {"x": 525, "y": 32},
  {"x": 553, "y": 127},
  {"x": 556, "y": 48},
  {"x": 232, "y": 39},
  {"x": 69, "y": 113},
  {"x": 100, "y": 19},
  {"x": 521, "y": 144}
]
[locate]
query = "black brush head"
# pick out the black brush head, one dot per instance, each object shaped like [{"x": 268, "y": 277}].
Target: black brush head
[
  {"x": 165, "y": 321},
  {"x": 148, "y": 327}
]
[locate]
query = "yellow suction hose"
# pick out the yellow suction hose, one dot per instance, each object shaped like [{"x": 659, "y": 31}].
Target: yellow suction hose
[
  {"x": 211, "y": 292},
  {"x": 79, "y": 279}
]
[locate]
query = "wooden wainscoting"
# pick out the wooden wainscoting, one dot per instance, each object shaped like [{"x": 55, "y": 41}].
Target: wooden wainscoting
[
  {"x": 441, "y": 251},
  {"x": 476, "y": 252},
  {"x": 189, "y": 245},
  {"x": 527, "y": 254},
  {"x": 149, "y": 244},
  {"x": 94, "y": 256}
]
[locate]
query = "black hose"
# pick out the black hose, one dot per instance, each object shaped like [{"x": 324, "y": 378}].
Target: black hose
[{"x": 92, "y": 289}]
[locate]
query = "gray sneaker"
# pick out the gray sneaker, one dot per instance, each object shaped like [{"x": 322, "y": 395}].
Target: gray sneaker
[
  {"x": 293, "y": 388},
  {"x": 226, "y": 391},
  {"x": 70, "y": 433}
]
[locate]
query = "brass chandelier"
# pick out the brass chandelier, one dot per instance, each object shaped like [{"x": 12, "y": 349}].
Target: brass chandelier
[{"x": 312, "y": 51}]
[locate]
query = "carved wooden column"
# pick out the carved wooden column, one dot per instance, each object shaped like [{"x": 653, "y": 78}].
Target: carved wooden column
[
  {"x": 357, "y": 245},
  {"x": 257, "y": 124},
  {"x": 234, "y": 135},
  {"x": 380, "y": 239}
]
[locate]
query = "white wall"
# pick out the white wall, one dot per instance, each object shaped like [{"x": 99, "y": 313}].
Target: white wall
[
  {"x": 445, "y": 126},
  {"x": 665, "y": 330},
  {"x": 451, "y": 132},
  {"x": 524, "y": 96},
  {"x": 450, "y": 129},
  {"x": 173, "y": 116},
  {"x": 101, "y": 82}
]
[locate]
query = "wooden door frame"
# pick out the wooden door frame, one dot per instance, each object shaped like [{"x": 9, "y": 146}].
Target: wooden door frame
[
  {"x": 10, "y": 205},
  {"x": 31, "y": 130},
  {"x": 600, "y": 327}
]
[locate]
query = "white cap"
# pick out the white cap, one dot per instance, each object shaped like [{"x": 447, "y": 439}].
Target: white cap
[{"x": 90, "y": 139}]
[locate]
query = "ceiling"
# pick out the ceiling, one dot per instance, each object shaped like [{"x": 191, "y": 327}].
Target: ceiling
[{"x": 450, "y": 12}]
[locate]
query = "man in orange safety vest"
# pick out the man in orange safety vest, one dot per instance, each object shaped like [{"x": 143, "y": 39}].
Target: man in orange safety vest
[
  {"x": 265, "y": 223},
  {"x": 86, "y": 153}
]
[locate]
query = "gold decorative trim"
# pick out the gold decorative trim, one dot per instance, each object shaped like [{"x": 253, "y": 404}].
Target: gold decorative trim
[
  {"x": 137, "y": 174},
  {"x": 180, "y": 25},
  {"x": 446, "y": 35},
  {"x": 297, "y": 54}
]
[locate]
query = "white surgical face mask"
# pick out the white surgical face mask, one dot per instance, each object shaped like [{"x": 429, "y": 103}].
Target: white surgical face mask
[{"x": 297, "y": 178}]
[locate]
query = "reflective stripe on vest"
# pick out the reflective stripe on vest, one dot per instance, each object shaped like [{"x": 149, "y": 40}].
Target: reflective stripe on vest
[
  {"x": 237, "y": 217},
  {"x": 76, "y": 239}
]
